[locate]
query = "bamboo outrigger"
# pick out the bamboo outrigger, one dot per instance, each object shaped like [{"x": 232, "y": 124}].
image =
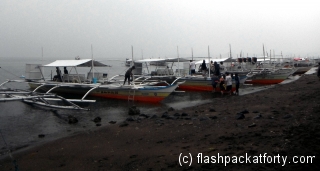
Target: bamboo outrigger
[{"x": 41, "y": 99}]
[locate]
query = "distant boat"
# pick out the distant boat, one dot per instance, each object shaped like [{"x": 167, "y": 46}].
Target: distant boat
[{"x": 128, "y": 62}]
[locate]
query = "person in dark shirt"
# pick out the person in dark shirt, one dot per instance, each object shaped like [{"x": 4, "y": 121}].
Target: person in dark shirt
[
  {"x": 128, "y": 74},
  {"x": 59, "y": 76},
  {"x": 216, "y": 68},
  {"x": 215, "y": 81},
  {"x": 204, "y": 68},
  {"x": 65, "y": 70}
]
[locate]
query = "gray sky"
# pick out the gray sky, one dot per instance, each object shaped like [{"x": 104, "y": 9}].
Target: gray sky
[{"x": 155, "y": 28}]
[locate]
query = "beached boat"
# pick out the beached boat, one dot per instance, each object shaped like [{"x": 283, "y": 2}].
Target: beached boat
[
  {"x": 96, "y": 84},
  {"x": 115, "y": 91},
  {"x": 268, "y": 76},
  {"x": 188, "y": 83}
]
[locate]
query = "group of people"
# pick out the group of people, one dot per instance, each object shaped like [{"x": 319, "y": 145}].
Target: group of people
[
  {"x": 224, "y": 80},
  {"x": 59, "y": 76},
  {"x": 225, "y": 83},
  {"x": 214, "y": 67}
]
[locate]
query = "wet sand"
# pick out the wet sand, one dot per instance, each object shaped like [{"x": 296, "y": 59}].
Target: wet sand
[{"x": 282, "y": 120}]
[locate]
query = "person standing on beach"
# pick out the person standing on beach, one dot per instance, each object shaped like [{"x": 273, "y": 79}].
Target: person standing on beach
[
  {"x": 215, "y": 81},
  {"x": 222, "y": 67},
  {"x": 128, "y": 74},
  {"x": 229, "y": 83},
  {"x": 318, "y": 72},
  {"x": 216, "y": 68},
  {"x": 204, "y": 68},
  {"x": 192, "y": 67},
  {"x": 222, "y": 85},
  {"x": 211, "y": 67}
]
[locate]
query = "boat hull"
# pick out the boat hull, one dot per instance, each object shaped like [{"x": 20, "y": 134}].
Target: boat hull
[
  {"x": 266, "y": 79},
  {"x": 200, "y": 84},
  {"x": 195, "y": 83},
  {"x": 152, "y": 94},
  {"x": 302, "y": 70}
]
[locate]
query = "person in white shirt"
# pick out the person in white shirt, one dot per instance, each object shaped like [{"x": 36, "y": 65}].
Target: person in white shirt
[
  {"x": 192, "y": 67},
  {"x": 229, "y": 83},
  {"x": 222, "y": 68}
]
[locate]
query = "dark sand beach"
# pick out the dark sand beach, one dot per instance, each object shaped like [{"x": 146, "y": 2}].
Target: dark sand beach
[{"x": 283, "y": 121}]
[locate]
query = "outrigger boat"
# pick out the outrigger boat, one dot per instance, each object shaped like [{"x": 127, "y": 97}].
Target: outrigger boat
[
  {"x": 166, "y": 75},
  {"x": 97, "y": 84},
  {"x": 268, "y": 75},
  {"x": 128, "y": 62}
]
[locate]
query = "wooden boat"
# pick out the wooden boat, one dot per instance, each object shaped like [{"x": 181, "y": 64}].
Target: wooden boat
[
  {"x": 96, "y": 84},
  {"x": 141, "y": 93},
  {"x": 200, "y": 83},
  {"x": 268, "y": 76},
  {"x": 187, "y": 82}
]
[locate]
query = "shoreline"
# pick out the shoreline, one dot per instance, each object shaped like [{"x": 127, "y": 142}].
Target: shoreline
[{"x": 280, "y": 120}]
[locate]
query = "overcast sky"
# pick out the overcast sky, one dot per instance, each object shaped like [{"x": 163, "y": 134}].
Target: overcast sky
[{"x": 155, "y": 28}]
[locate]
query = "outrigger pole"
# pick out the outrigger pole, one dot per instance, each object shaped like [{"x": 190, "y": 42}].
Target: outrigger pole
[
  {"x": 192, "y": 53},
  {"x": 132, "y": 64}
]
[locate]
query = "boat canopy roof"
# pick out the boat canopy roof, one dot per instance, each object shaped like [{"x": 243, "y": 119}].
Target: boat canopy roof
[
  {"x": 162, "y": 60},
  {"x": 212, "y": 59},
  {"x": 76, "y": 63},
  {"x": 177, "y": 59}
]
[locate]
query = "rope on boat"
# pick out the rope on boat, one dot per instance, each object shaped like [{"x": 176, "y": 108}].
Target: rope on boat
[{"x": 10, "y": 72}]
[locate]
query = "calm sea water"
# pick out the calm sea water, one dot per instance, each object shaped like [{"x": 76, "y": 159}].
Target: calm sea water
[{"x": 21, "y": 124}]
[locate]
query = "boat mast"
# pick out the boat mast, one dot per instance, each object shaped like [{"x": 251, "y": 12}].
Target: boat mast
[
  {"x": 264, "y": 57},
  {"x": 92, "y": 62},
  {"x": 178, "y": 60},
  {"x": 209, "y": 60},
  {"x": 192, "y": 53},
  {"x": 270, "y": 56},
  {"x": 230, "y": 51},
  {"x": 132, "y": 65},
  {"x": 42, "y": 55},
  {"x": 42, "y": 65},
  {"x": 131, "y": 55}
]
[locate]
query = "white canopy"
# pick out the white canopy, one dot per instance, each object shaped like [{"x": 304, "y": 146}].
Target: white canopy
[
  {"x": 177, "y": 59},
  {"x": 149, "y": 60},
  {"x": 74, "y": 63},
  {"x": 162, "y": 60}
]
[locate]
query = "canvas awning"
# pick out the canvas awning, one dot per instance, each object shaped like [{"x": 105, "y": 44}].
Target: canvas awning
[
  {"x": 162, "y": 60},
  {"x": 76, "y": 63}
]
